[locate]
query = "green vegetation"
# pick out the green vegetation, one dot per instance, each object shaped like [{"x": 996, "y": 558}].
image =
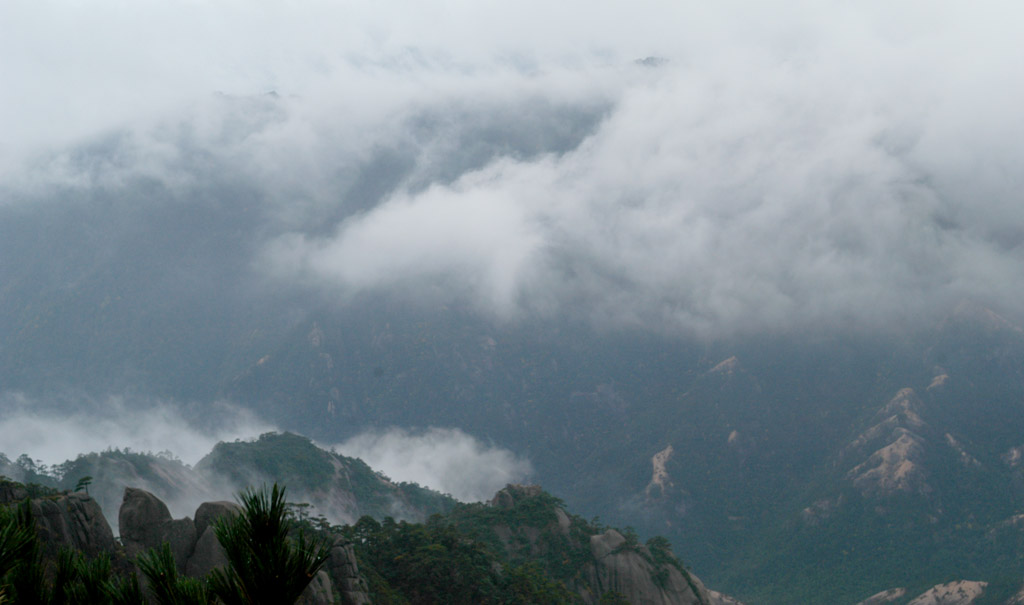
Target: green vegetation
[
  {"x": 275, "y": 455},
  {"x": 273, "y": 555},
  {"x": 310, "y": 470},
  {"x": 83, "y": 484},
  {"x": 72, "y": 579},
  {"x": 267, "y": 564},
  {"x": 423, "y": 563},
  {"x": 17, "y": 541},
  {"x": 166, "y": 585},
  {"x": 521, "y": 549},
  {"x": 527, "y": 530}
]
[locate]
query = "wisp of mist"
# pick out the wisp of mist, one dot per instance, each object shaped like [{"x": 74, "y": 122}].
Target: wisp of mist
[{"x": 445, "y": 459}]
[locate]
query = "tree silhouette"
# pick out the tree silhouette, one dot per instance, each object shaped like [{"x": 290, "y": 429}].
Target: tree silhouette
[{"x": 84, "y": 483}]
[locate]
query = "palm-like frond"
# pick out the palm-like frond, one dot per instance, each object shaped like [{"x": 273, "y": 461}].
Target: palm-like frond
[
  {"x": 266, "y": 564},
  {"x": 167, "y": 587}
]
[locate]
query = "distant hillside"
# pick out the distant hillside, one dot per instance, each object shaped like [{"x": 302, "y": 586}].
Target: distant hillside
[
  {"x": 721, "y": 446},
  {"x": 337, "y": 487}
]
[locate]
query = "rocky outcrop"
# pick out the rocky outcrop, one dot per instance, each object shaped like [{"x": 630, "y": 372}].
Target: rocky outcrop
[
  {"x": 963, "y": 592},
  {"x": 629, "y": 569},
  {"x": 145, "y": 522},
  {"x": 660, "y": 479},
  {"x": 718, "y": 598},
  {"x": 343, "y": 571},
  {"x": 901, "y": 415},
  {"x": 208, "y": 553},
  {"x": 895, "y": 468},
  {"x": 616, "y": 564},
  {"x": 886, "y": 596},
  {"x": 318, "y": 592},
  {"x": 894, "y": 450},
  {"x": 73, "y": 521},
  {"x": 11, "y": 492},
  {"x": 339, "y": 576},
  {"x": 206, "y": 556}
]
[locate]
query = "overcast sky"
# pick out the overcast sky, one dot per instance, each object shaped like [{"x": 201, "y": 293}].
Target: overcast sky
[{"x": 770, "y": 165}]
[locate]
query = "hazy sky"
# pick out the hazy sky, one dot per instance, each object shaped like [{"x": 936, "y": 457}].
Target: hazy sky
[{"x": 778, "y": 164}]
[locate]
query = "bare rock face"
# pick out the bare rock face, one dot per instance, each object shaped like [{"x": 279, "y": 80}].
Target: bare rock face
[
  {"x": 895, "y": 468},
  {"x": 318, "y": 592},
  {"x": 886, "y": 596},
  {"x": 208, "y": 512},
  {"x": 963, "y": 592},
  {"x": 896, "y": 464},
  {"x": 11, "y": 492},
  {"x": 208, "y": 553},
  {"x": 69, "y": 520},
  {"x": 343, "y": 571},
  {"x": 660, "y": 479},
  {"x": 141, "y": 512},
  {"x": 145, "y": 523},
  {"x": 717, "y": 598},
  {"x": 628, "y": 569},
  {"x": 72, "y": 521}
]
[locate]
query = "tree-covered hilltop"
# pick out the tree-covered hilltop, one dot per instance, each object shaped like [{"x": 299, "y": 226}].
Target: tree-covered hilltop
[
  {"x": 341, "y": 487},
  {"x": 522, "y": 547}
]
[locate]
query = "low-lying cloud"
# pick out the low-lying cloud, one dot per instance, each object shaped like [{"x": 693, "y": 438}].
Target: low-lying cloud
[
  {"x": 58, "y": 429},
  {"x": 447, "y": 460},
  {"x": 723, "y": 169}
]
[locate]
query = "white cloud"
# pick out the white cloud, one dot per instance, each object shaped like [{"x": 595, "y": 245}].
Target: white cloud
[
  {"x": 791, "y": 163},
  {"x": 59, "y": 429},
  {"x": 447, "y": 460}
]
